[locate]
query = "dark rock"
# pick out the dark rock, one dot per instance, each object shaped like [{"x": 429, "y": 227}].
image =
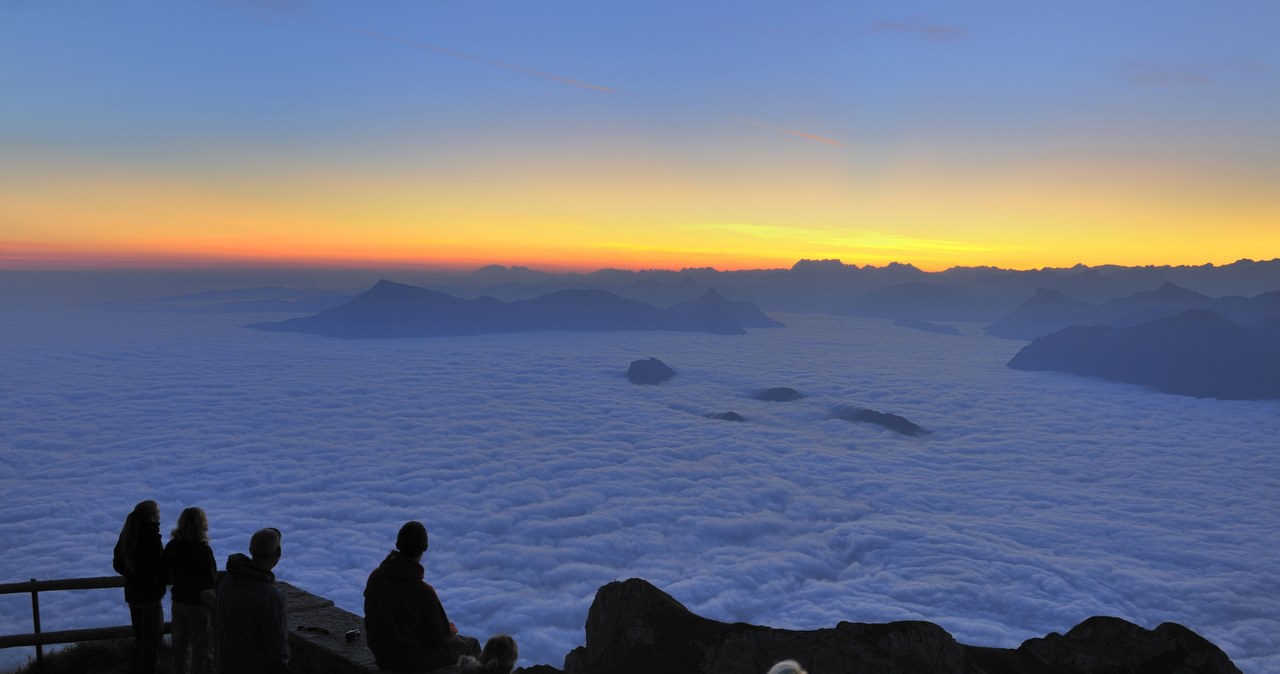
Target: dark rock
[
  {"x": 1101, "y": 645},
  {"x": 726, "y": 416},
  {"x": 635, "y": 628},
  {"x": 649, "y": 371},
  {"x": 778, "y": 394},
  {"x": 1196, "y": 353},
  {"x": 892, "y": 422}
]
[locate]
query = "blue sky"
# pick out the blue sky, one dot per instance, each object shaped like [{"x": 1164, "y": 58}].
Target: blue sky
[{"x": 1156, "y": 118}]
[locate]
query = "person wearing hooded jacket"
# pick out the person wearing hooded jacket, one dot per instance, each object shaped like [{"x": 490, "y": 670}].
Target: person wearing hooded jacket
[
  {"x": 405, "y": 624},
  {"x": 251, "y": 631},
  {"x": 138, "y": 556}
]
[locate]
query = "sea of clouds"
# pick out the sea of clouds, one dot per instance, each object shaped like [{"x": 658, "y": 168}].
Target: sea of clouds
[{"x": 1038, "y": 500}]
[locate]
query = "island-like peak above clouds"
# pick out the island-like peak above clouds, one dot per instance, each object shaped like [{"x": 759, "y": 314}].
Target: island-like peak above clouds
[
  {"x": 1196, "y": 353},
  {"x": 390, "y": 309}
]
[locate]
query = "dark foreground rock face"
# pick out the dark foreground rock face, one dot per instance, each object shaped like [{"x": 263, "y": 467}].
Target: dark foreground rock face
[
  {"x": 1103, "y": 644},
  {"x": 649, "y": 371},
  {"x": 635, "y": 628}
]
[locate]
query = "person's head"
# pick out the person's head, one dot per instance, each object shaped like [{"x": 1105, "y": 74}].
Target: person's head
[
  {"x": 412, "y": 539},
  {"x": 192, "y": 526},
  {"x": 500, "y": 653},
  {"x": 147, "y": 511},
  {"x": 787, "y": 667},
  {"x": 265, "y": 548}
]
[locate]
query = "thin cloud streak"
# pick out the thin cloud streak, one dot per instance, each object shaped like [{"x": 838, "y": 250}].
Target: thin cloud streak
[
  {"x": 919, "y": 25},
  {"x": 446, "y": 51},
  {"x": 1166, "y": 76},
  {"x": 794, "y": 132}
]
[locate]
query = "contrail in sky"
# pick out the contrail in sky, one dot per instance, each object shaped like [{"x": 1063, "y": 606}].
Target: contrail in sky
[
  {"x": 470, "y": 57},
  {"x": 794, "y": 132}
]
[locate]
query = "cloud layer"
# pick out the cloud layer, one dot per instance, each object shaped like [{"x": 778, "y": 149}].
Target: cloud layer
[{"x": 1038, "y": 500}]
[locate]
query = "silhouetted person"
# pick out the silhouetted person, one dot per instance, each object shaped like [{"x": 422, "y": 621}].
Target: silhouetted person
[
  {"x": 498, "y": 657},
  {"x": 192, "y": 569},
  {"x": 405, "y": 625},
  {"x": 252, "y": 635},
  {"x": 138, "y": 556}
]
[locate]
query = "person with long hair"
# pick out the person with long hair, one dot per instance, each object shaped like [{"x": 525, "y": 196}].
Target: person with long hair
[
  {"x": 192, "y": 570},
  {"x": 138, "y": 556}
]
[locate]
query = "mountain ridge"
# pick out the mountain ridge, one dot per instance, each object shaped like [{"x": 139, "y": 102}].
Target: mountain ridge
[{"x": 394, "y": 310}]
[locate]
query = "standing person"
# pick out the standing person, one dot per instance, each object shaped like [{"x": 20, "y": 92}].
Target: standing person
[
  {"x": 251, "y": 632},
  {"x": 189, "y": 561},
  {"x": 405, "y": 624},
  {"x": 138, "y": 556}
]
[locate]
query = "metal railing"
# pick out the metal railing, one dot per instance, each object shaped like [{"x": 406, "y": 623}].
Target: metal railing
[{"x": 41, "y": 639}]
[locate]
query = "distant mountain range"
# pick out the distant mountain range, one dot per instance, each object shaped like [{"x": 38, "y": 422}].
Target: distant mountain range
[
  {"x": 1196, "y": 353},
  {"x": 1049, "y": 310},
  {"x": 390, "y": 309},
  {"x": 893, "y": 291}
]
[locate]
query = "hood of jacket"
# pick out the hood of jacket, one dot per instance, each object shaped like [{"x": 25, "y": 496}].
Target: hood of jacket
[
  {"x": 401, "y": 567},
  {"x": 242, "y": 569}
]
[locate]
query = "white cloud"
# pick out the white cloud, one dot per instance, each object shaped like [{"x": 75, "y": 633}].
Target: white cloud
[{"x": 1040, "y": 499}]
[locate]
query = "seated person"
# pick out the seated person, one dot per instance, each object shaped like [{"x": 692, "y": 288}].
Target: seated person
[{"x": 405, "y": 624}]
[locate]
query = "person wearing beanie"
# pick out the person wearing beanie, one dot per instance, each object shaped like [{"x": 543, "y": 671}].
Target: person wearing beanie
[{"x": 405, "y": 624}]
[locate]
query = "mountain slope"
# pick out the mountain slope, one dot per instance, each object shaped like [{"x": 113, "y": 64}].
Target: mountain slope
[
  {"x": 1196, "y": 353},
  {"x": 391, "y": 309}
]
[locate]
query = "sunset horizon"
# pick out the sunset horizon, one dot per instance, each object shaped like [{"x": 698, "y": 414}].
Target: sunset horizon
[
  {"x": 124, "y": 262},
  {"x": 561, "y": 138}
]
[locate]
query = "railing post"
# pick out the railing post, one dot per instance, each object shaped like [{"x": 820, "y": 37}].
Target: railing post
[{"x": 35, "y": 618}]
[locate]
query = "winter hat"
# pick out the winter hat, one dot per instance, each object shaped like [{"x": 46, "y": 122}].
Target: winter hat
[{"x": 412, "y": 539}]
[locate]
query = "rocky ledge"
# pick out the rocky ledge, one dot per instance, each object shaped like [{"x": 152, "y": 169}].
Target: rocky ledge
[{"x": 635, "y": 628}]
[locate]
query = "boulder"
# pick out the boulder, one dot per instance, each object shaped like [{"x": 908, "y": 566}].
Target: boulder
[
  {"x": 1104, "y": 644},
  {"x": 649, "y": 371},
  {"x": 635, "y": 628},
  {"x": 726, "y": 416}
]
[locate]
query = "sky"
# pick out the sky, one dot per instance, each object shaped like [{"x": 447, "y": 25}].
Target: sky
[
  {"x": 579, "y": 135},
  {"x": 1037, "y": 500}
]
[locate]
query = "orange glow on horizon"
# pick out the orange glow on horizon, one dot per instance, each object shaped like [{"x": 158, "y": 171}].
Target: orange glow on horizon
[
  {"x": 49, "y": 258},
  {"x": 633, "y": 211}
]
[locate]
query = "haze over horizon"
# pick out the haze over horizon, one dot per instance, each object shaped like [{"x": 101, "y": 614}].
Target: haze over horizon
[{"x": 575, "y": 136}]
